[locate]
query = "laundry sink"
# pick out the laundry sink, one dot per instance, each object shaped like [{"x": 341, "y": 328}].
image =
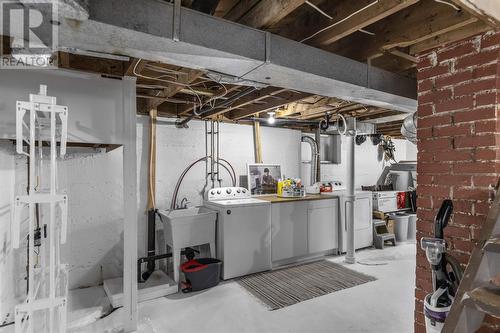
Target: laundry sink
[{"x": 188, "y": 227}]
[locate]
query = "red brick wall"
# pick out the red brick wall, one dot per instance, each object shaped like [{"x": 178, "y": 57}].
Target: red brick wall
[{"x": 458, "y": 140}]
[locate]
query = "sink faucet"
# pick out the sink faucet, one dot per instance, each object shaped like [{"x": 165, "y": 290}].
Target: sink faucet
[{"x": 184, "y": 203}]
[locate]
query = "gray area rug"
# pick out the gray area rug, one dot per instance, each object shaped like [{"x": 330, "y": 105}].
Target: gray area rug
[{"x": 291, "y": 285}]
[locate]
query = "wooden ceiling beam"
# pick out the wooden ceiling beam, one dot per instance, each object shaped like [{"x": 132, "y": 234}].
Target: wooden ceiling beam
[
  {"x": 378, "y": 114},
  {"x": 256, "y": 96},
  {"x": 486, "y": 10},
  {"x": 300, "y": 108},
  {"x": 136, "y": 64},
  {"x": 392, "y": 63},
  {"x": 367, "y": 15},
  {"x": 265, "y": 13},
  {"x": 173, "y": 89},
  {"x": 449, "y": 37},
  {"x": 184, "y": 110},
  {"x": 407, "y": 27},
  {"x": 90, "y": 64},
  {"x": 252, "y": 109},
  {"x": 241, "y": 8}
]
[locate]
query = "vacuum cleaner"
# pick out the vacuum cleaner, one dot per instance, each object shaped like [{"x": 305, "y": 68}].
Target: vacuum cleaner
[{"x": 446, "y": 272}]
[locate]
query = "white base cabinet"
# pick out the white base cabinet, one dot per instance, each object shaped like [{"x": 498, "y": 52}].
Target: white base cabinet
[
  {"x": 302, "y": 228},
  {"x": 322, "y": 226}
]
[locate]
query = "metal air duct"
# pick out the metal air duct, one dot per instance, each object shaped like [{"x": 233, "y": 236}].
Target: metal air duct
[{"x": 409, "y": 128}]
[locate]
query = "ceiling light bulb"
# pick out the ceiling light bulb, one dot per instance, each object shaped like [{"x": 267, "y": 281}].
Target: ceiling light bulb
[{"x": 271, "y": 120}]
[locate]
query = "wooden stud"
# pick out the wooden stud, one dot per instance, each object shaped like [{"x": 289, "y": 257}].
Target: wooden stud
[
  {"x": 257, "y": 142},
  {"x": 268, "y": 12},
  {"x": 153, "y": 113},
  {"x": 469, "y": 30}
]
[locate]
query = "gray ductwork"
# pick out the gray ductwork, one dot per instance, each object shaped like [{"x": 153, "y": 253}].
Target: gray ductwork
[
  {"x": 409, "y": 128},
  {"x": 153, "y": 30},
  {"x": 314, "y": 157}
]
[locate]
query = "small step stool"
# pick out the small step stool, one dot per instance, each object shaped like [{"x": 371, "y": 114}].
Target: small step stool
[{"x": 381, "y": 234}]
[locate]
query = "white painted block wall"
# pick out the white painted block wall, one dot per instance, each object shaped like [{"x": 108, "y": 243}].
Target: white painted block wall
[{"x": 178, "y": 148}]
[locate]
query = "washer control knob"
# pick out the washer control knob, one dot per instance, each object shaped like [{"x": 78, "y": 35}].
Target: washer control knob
[
  {"x": 238, "y": 191},
  {"x": 218, "y": 191},
  {"x": 228, "y": 191}
]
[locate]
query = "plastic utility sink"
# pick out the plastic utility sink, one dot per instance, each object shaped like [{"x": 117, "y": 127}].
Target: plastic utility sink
[{"x": 188, "y": 227}]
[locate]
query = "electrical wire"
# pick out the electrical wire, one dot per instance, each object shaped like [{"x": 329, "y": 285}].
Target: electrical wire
[
  {"x": 449, "y": 4},
  {"x": 161, "y": 78},
  {"x": 134, "y": 70},
  {"x": 366, "y": 32},
  {"x": 319, "y": 10},
  {"x": 341, "y": 21}
]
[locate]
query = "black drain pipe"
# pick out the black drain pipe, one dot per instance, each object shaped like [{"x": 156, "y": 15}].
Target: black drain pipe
[{"x": 151, "y": 242}]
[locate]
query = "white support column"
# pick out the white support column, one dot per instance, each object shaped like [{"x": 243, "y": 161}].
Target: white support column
[
  {"x": 350, "y": 193},
  {"x": 130, "y": 206}
]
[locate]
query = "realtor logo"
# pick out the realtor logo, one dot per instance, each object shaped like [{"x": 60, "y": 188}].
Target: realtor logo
[{"x": 29, "y": 31}]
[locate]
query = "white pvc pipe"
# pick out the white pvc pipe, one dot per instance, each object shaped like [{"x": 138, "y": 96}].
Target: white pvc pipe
[{"x": 350, "y": 198}]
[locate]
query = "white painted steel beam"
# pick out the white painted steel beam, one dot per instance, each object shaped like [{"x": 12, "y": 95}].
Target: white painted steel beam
[
  {"x": 146, "y": 29},
  {"x": 130, "y": 206}
]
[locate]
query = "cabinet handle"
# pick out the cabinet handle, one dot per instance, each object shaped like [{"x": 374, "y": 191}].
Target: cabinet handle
[{"x": 345, "y": 216}]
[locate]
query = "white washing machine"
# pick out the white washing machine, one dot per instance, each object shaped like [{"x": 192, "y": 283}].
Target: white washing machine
[
  {"x": 363, "y": 229},
  {"x": 243, "y": 231}
]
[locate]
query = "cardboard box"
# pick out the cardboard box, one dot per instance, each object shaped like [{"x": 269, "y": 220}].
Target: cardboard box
[
  {"x": 379, "y": 215},
  {"x": 390, "y": 225}
]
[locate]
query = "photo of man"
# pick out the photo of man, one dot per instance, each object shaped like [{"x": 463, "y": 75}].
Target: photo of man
[{"x": 263, "y": 178}]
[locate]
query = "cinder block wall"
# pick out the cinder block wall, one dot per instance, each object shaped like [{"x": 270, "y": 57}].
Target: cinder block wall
[{"x": 458, "y": 154}]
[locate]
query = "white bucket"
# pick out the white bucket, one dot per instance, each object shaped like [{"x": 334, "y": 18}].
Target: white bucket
[
  {"x": 412, "y": 226},
  {"x": 400, "y": 226}
]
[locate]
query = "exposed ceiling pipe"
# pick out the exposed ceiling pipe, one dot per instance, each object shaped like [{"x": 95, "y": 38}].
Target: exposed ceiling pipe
[
  {"x": 282, "y": 121},
  {"x": 314, "y": 157},
  {"x": 409, "y": 128}
]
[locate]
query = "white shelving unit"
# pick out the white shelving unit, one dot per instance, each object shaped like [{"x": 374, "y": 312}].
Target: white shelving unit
[{"x": 40, "y": 121}]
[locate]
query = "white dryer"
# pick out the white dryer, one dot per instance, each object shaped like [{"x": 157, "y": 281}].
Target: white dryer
[
  {"x": 243, "y": 231},
  {"x": 363, "y": 229}
]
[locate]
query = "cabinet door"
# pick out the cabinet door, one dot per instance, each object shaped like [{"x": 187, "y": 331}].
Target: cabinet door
[
  {"x": 289, "y": 230},
  {"x": 362, "y": 214},
  {"x": 322, "y": 226}
]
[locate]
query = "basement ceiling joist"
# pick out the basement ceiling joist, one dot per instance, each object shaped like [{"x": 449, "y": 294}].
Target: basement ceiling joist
[
  {"x": 413, "y": 25},
  {"x": 145, "y": 30},
  {"x": 487, "y": 10},
  {"x": 346, "y": 27}
]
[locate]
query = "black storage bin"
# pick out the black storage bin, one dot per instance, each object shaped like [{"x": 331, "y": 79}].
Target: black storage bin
[{"x": 202, "y": 273}]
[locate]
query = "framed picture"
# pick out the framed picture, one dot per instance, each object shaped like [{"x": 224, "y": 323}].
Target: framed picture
[{"x": 263, "y": 178}]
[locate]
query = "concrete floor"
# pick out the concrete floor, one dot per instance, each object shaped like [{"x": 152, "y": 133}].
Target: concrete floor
[{"x": 385, "y": 305}]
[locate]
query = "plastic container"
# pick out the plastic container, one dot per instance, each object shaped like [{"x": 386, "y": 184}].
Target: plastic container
[
  {"x": 435, "y": 316},
  {"x": 201, "y": 273},
  {"x": 400, "y": 226},
  {"x": 412, "y": 226}
]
